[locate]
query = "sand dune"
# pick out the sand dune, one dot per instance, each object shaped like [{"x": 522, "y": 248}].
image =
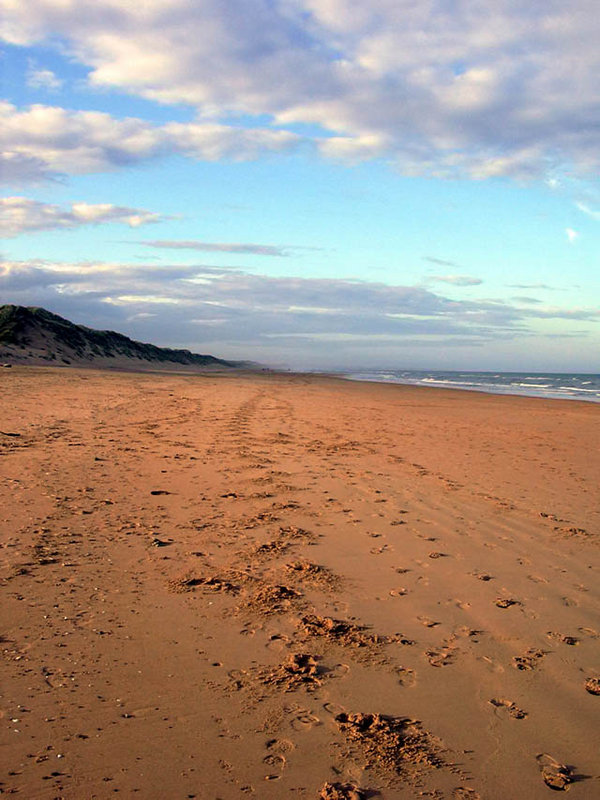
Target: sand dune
[{"x": 224, "y": 586}]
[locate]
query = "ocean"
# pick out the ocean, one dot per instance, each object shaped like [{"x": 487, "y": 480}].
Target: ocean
[{"x": 564, "y": 386}]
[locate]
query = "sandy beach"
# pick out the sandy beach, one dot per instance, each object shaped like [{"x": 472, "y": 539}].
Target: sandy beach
[{"x": 272, "y": 586}]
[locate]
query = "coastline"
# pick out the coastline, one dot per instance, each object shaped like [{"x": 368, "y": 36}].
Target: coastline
[
  {"x": 214, "y": 572},
  {"x": 492, "y": 383}
]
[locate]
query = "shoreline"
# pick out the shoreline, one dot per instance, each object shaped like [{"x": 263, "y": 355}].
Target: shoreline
[
  {"x": 255, "y": 582},
  {"x": 495, "y": 391},
  {"x": 268, "y": 371}
]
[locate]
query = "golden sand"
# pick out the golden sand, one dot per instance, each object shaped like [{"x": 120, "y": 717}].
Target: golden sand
[{"x": 272, "y": 586}]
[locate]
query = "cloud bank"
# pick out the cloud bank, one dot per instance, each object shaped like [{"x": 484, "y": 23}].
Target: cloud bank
[
  {"x": 455, "y": 88},
  {"x": 248, "y": 315}
]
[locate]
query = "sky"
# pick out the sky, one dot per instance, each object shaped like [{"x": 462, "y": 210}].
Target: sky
[{"x": 315, "y": 184}]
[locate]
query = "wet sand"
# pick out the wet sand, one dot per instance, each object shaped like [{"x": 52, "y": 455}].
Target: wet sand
[{"x": 272, "y": 586}]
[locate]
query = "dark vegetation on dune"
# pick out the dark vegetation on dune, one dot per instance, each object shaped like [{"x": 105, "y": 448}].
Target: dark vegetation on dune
[{"x": 29, "y": 331}]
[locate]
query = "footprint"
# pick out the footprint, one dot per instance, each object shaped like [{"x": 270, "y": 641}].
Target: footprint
[
  {"x": 491, "y": 664},
  {"x": 338, "y": 671},
  {"x": 277, "y": 642},
  {"x": 279, "y": 746},
  {"x": 238, "y": 678},
  {"x": 562, "y": 637},
  {"x": 429, "y": 623},
  {"x": 555, "y": 775},
  {"x": 406, "y": 676},
  {"x": 378, "y": 550},
  {"x": 592, "y": 685},
  {"x": 441, "y": 657},
  {"x": 463, "y": 793},
  {"x": 514, "y": 711},
  {"x": 277, "y": 762},
  {"x": 569, "y": 601},
  {"x": 342, "y": 791},
  {"x": 304, "y": 720},
  {"x": 506, "y": 602},
  {"x": 552, "y": 517},
  {"x": 333, "y": 708},
  {"x": 537, "y": 579},
  {"x": 528, "y": 660},
  {"x": 274, "y": 760}
]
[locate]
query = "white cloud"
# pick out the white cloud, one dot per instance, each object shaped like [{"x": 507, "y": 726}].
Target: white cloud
[
  {"x": 44, "y": 141},
  {"x": 526, "y": 300},
  {"x": 39, "y": 78},
  {"x": 532, "y": 286},
  {"x": 22, "y": 215},
  {"x": 220, "y": 247},
  {"x": 590, "y": 212},
  {"x": 456, "y": 280},
  {"x": 478, "y": 89},
  {"x": 572, "y": 235}
]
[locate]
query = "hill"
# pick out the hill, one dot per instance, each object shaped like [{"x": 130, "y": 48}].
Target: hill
[{"x": 31, "y": 335}]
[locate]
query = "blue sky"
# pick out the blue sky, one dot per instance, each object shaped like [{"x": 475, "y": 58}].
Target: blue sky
[{"x": 308, "y": 182}]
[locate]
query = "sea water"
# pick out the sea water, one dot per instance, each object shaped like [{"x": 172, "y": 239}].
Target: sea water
[{"x": 566, "y": 386}]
